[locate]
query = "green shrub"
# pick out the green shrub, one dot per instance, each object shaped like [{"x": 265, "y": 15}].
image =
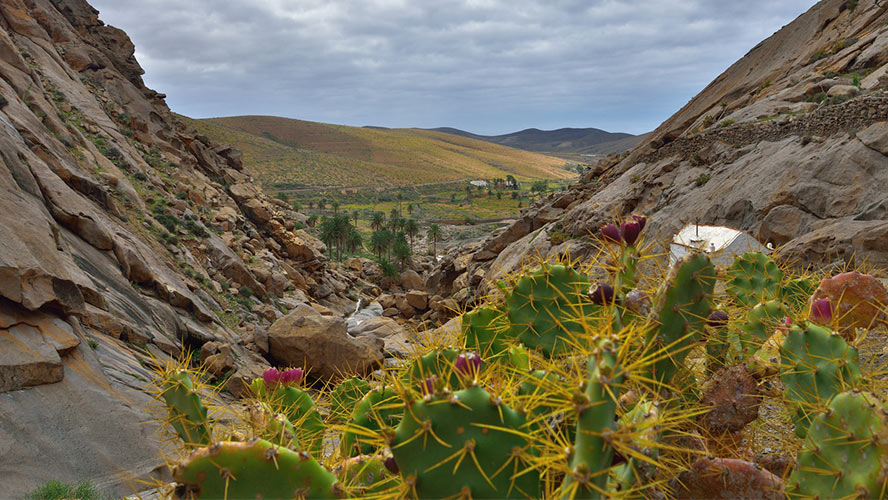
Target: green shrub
[
  {"x": 57, "y": 490},
  {"x": 167, "y": 221},
  {"x": 703, "y": 179}
]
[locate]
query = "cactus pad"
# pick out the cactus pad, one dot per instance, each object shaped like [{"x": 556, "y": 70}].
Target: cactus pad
[
  {"x": 345, "y": 396},
  {"x": 845, "y": 452},
  {"x": 816, "y": 364},
  {"x": 464, "y": 444},
  {"x": 685, "y": 304},
  {"x": 252, "y": 469},
  {"x": 378, "y": 409},
  {"x": 187, "y": 414},
  {"x": 754, "y": 278},
  {"x": 547, "y": 306},
  {"x": 484, "y": 330}
]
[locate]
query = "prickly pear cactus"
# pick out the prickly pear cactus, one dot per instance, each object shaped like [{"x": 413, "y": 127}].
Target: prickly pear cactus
[
  {"x": 467, "y": 444},
  {"x": 484, "y": 329},
  {"x": 754, "y": 278},
  {"x": 365, "y": 475},
  {"x": 252, "y": 469},
  {"x": 437, "y": 364},
  {"x": 796, "y": 291},
  {"x": 299, "y": 408},
  {"x": 272, "y": 427},
  {"x": 845, "y": 454},
  {"x": 684, "y": 306},
  {"x": 187, "y": 414},
  {"x": 860, "y": 301},
  {"x": 379, "y": 409},
  {"x": 345, "y": 396},
  {"x": 548, "y": 307},
  {"x": 761, "y": 322},
  {"x": 595, "y": 407},
  {"x": 816, "y": 364}
]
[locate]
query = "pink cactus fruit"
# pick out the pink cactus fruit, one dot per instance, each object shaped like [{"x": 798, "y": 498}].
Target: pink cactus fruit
[
  {"x": 630, "y": 230},
  {"x": 468, "y": 364}
]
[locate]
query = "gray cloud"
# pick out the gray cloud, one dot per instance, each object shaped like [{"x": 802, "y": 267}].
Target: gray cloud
[{"x": 488, "y": 66}]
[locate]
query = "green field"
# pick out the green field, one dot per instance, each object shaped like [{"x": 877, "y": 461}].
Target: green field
[{"x": 286, "y": 153}]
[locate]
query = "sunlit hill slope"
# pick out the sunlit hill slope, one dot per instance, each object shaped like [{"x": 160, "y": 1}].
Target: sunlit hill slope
[{"x": 283, "y": 152}]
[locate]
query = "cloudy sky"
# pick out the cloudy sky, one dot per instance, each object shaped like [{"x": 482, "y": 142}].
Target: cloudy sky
[{"x": 486, "y": 66}]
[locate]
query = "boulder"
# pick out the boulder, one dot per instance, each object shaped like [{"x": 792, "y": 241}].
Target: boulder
[
  {"x": 418, "y": 299},
  {"x": 380, "y": 327},
  {"x": 411, "y": 280},
  {"x": 322, "y": 345}
]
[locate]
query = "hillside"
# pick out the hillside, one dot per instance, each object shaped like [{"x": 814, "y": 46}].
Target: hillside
[
  {"x": 283, "y": 152},
  {"x": 790, "y": 143},
  {"x": 564, "y": 140}
]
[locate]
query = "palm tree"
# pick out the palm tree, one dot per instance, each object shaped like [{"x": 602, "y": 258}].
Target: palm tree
[
  {"x": 380, "y": 242},
  {"x": 353, "y": 240},
  {"x": 400, "y": 199},
  {"x": 310, "y": 204},
  {"x": 434, "y": 235},
  {"x": 335, "y": 206},
  {"x": 377, "y": 221},
  {"x": 355, "y": 215},
  {"x": 394, "y": 216},
  {"x": 411, "y": 229},
  {"x": 401, "y": 251}
]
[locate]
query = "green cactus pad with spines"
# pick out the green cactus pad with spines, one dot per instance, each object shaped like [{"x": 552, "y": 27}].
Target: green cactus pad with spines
[
  {"x": 518, "y": 358},
  {"x": 273, "y": 427},
  {"x": 485, "y": 330},
  {"x": 752, "y": 278},
  {"x": 437, "y": 363},
  {"x": 364, "y": 475},
  {"x": 252, "y": 469},
  {"x": 596, "y": 406},
  {"x": 299, "y": 408},
  {"x": 187, "y": 414},
  {"x": 626, "y": 274},
  {"x": 546, "y": 309},
  {"x": 464, "y": 444},
  {"x": 795, "y": 292},
  {"x": 816, "y": 364},
  {"x": 845, "y": 454},
  {"x": 378, "y": 409},
  {"x": 761, "y": 322},
  {"x": 685, "y": 304},
  {"x": 345, "y": 396},
  {"x": 718, "y": 343}
]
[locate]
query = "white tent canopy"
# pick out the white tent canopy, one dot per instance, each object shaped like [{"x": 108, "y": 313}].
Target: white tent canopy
[{"x": 720, "y": 242}]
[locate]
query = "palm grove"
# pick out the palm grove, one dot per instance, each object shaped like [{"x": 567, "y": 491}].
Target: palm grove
[{"x": 392, "y": 240}]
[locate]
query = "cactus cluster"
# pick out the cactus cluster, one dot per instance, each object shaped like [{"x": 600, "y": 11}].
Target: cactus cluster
[{"x": 562, "y": 387}]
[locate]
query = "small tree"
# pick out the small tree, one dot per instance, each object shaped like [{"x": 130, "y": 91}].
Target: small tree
[
  {"x": 380, "y": 242},
  {"x": 377, "y": 221},
  {"x": 356, "y": 214},
  {"x": 335, "y": 206},
  {"x": 434, "y": 235},
  {"x": 401, "y": 251},
  {"x": 411, "y": 229}
]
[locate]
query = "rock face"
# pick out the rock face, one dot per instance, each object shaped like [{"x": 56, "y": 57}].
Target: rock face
[
  {"x": 125, "y": 233},
  {"x": 322, "y": 345}
]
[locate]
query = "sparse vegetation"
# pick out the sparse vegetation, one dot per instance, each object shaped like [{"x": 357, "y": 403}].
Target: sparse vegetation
[
  {"x": 57, "y": 490},
  {"x": 701, "y": 180}
]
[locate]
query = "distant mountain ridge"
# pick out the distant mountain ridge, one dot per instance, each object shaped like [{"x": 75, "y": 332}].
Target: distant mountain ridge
[{"x": 563, "y": 140}]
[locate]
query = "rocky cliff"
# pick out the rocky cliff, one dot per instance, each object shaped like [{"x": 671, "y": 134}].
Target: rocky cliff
[
  {"x": 789, "y": 143},
  {"x": 126, "y": 238}
]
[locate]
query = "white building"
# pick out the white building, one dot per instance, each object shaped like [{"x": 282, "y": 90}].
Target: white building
[
  {"x": 479, "y": 183},
  {"x": 720, "y": 242}
]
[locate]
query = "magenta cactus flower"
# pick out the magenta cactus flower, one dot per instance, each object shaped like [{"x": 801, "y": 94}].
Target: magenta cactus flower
[
  {"x": 273, "y": 377},
  {"x": 611, "y": 232},
  {"x": 822, "y": 311},
  {"x": 630, "y": 231},
  {"x": 468, "y": 364},
  {"x": 292, "y": 376},
  {"x": 602, "y": 294}
]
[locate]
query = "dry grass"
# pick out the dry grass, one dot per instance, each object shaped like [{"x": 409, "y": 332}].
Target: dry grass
[{"x": 282, "y": 151}]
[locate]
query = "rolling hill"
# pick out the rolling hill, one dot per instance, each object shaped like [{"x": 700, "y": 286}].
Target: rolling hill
[
  {"x": 283, "y": 152},
  {"x": 564, "y": 140}
]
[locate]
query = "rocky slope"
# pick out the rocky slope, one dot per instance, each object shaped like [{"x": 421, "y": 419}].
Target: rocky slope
[
  {"x": 790, "y": 143},
  {"x": 127, "y": 237}
]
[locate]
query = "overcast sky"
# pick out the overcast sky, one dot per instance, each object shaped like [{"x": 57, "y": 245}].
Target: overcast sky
[{"x": 486, "y": 66}]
